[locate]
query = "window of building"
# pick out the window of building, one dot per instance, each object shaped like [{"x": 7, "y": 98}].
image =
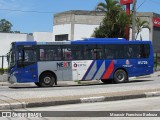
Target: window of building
[{"x": 61, "y": 37}]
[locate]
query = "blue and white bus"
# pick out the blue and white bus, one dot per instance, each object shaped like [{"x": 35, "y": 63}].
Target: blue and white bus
[{"x": 105, "y": 59}]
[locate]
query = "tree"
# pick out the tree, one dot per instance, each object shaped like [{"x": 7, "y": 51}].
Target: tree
[
  {"x": 5, "y": 26},
  {"x": 114, "y": 22},
  {"x": 15, "y": 32},
  {"x": 140, "y": 25}
]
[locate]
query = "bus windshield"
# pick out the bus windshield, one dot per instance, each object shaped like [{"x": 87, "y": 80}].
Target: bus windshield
[{"x": 11, "y": 59}]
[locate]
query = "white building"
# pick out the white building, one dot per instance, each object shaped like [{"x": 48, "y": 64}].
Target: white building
[
  {"x": 43, "y": 36},
  {"x": 5, "y": 42}
]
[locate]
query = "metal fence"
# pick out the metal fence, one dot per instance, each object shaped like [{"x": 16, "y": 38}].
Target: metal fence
[{"x": 157, "y": 61}]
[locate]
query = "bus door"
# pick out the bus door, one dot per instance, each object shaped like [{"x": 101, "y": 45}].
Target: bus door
[
  {"x": 66, "y": 65},
  {"x": 27, "y": 65}
]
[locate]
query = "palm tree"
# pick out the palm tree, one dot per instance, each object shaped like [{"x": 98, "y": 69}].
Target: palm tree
[
  {"x": 114, "y": 22},
  {"x": 109, "y": 6},
  {"x": 140, "y": 25}
]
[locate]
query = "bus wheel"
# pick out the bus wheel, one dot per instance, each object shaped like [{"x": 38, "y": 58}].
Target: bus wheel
[
  {"x": 47, "y": 79},
  {"x": 120, "y": 76},
  {"x": 108, "y": 81}
]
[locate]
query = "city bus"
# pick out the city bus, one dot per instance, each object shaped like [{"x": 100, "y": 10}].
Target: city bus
[{"x": 106, "y": 59}]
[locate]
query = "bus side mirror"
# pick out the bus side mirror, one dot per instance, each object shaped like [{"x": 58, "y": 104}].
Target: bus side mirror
[{"x": 20, "y": 63}]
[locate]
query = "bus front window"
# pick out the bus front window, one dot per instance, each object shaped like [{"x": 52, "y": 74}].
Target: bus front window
[
  {"x": 11, "y": 59},
  {"x": 26, "y": 57}
]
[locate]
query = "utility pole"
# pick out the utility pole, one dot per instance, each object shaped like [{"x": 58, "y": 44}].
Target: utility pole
[
  {"x": 134, "y": 19},
  {"x": 127, "y": 26},
  {"x": 127, "y": 3}
]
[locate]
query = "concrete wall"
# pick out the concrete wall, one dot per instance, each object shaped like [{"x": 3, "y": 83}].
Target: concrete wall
[
  {"x": 82, "y": 31},
  {"x": 145, "y": 33},
  {"x": 78, "y": 17},
  {"x": 62, "y": 29},
  {"x": 147, "y": 16},
  {"x": 43, "y": 36},
  {"x": 5, "y": 42}
]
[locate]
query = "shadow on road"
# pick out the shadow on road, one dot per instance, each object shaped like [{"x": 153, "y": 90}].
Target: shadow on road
[{"x": 134, "y": 81}]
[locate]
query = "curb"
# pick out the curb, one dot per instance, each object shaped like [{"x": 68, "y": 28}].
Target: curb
[
  {"x": 4, "y": 84},
  {"x": 12, "y": 106},
  {"x": 24, "y": 105},
  {"x": 83, "y": 100}
]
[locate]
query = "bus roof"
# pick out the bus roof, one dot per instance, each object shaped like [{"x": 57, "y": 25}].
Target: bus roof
[
  {"x": 108, "y": 40},
  {"x": 85, "y": 41}
]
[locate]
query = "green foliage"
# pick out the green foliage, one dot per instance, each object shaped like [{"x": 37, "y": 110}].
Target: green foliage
[
  {"x": 114, "y": 22},
  {"x": 3, "y": 70},
  {"x": 5, "y": 26},
  {"x": 78, "y": 81},
  {"x": 15, "y": 32}
]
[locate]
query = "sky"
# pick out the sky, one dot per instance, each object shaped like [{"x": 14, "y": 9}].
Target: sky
[{"x": 37, "y": 15}]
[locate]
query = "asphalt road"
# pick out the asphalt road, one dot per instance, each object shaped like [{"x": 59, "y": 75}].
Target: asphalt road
[
  {"x": 64, "y": 85},
  {"x": 31, "y": 91}
]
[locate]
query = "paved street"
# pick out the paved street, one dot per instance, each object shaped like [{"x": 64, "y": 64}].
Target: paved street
[{"x": 30, "y": 90}]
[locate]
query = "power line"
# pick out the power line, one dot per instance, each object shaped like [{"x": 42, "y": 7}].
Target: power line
[
  {"x": 14, "y": 10},
  {"x": 141, "y": 4}
]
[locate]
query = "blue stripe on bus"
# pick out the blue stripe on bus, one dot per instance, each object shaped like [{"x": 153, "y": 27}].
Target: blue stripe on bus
[
  {"x": 99, "y": 64},
  {"x": 84, "y": 77}
]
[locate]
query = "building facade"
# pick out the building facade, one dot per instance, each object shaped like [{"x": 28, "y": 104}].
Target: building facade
[{"x": 72, "y": 25}]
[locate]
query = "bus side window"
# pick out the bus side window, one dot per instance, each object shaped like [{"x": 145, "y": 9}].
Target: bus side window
[
  {"x": 42, "y": 57},
  {"x": 68, "y": 56},
  {"x": 29, "y": 55},
  {"x": 146, "y": 51},
  {"x": 20, "y": 55},
  {"x": 129, "y": 52},
  {"x": 108, "y": 53}
]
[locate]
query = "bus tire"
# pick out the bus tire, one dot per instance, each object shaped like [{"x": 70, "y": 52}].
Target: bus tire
[
  {"x": 47, "y": 79},
  {"x": 120, "y": 76},
  {"x": 108, "y": 81}
]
